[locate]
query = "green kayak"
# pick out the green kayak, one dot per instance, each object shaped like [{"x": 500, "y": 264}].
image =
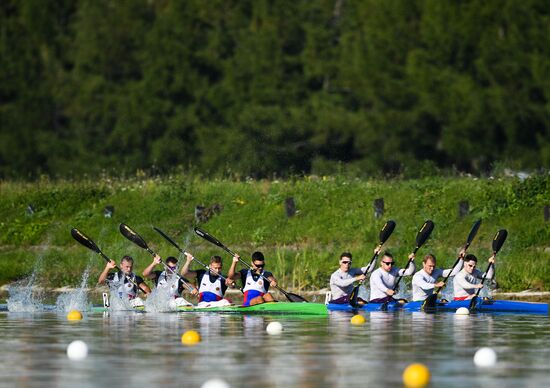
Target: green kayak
[{"x": 264, "y": 308}]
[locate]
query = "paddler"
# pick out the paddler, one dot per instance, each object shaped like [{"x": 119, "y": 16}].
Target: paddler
[
  {"x": 341, "y": 280},
  {"x": 168, "y": 280},
  {"x": 255, "y": 285},
  {"x": 383, "y": 279},
  {"x": 467, "y": 281},
  {"x": 212, "y": 286},
  {"x": 425, "y": 280},
  {"x": 124, "y": 283}
]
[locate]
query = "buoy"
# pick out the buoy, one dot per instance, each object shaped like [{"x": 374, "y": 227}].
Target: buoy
[
  {"x": 215, "y": 383},
  {"x": 416, "y": 375},
  {"x": 358, "y": 320},
  {"x": 274, "y": 328},
  {"x": 462, "y": 311},
  {"x": 190, "y": 337},
  {"x": 77, "y": 350},
  {"x": 74, "y": 315},
  {"x": 485, "y": 357}
]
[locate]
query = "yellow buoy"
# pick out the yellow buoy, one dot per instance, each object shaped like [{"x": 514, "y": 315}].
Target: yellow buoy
[
  {"x": 358, "y": 320},
  {"x": 74, "y": 315},
  {"x": 416, "y": 375},
  {"x": 190, "y": 337}
]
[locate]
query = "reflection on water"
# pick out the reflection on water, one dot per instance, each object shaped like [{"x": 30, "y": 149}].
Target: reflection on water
[{"x": 136, "y": 348}]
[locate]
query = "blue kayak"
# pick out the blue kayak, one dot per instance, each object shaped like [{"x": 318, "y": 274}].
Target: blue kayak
[{"x": 505, "y": 306}]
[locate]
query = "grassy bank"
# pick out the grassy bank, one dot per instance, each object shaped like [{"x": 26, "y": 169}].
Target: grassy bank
[{"x": 333, "y": 215}]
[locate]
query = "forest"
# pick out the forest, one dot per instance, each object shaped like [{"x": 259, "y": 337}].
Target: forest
[{"x": 264, "y": 88}]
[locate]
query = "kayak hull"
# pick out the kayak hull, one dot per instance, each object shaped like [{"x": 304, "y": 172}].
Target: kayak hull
[
  {"x": 286, "y": 308},
  {"x": 502, "y": 306}
]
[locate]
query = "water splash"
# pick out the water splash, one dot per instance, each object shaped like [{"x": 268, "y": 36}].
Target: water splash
[
  {"x": 159, "y": 299},
  {"x": 77, "y": 299},
  {"x": 22, "y": 298}
]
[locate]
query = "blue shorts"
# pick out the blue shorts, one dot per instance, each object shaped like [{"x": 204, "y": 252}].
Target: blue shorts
[
  {"x": 251, "y": 294},
  {"x": 209, "y": 297}
]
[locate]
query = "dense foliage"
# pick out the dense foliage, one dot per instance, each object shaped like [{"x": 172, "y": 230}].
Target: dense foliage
[{"x": 262, "y": 88}]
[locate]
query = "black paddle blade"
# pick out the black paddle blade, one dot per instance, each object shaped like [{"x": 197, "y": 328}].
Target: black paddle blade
[
  {"x": 84, "y": 240},
  {"x": 386, "y": 231},
  {"x": 429, "y": 302},
  {"x": 132, "y": 236},
  {"x": 473, "y": 232},
  {"x": 424, "y": 233},
  {"x": 207, "y": 237},
  {"x": 167, "y": 238},
  {"x": 499, "y": 239},
  {"x": 295, "y": 298}
]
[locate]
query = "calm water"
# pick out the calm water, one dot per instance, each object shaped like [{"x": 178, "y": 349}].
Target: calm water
[{"x": 128, "y": 348}]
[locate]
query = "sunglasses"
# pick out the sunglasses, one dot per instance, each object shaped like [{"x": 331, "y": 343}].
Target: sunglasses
[
  {"x": 259, "y": 265},
  {"x": 345, "y": 262},
  {"x": 388, "y": 262},
  {"x": 172, "y": 268},
  {"x": 471, "y": 265}
]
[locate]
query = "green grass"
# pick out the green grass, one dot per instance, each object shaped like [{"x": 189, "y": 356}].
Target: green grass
[{"x": 335, "y": 214}]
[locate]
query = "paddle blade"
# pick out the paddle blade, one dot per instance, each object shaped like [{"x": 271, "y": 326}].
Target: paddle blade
[
  {"x": 386, "y": 231},
  {"x": 473, "y": 232},
  {"x": 295, "y": 298},
  {"x": 207, "y": 237},
  {"x": 84, "y": 240},
  {"x": 499, "y": 239},
  {"x": 167, "y": 238},
  {"x": 133, "y": 236},
  {"x": 429, "y": 302},
  {"x": 424, "y": 233}
]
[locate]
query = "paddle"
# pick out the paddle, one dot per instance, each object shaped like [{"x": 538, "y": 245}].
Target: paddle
[
  {"x": 184, "y": 252},
  {"x": 430, "y": 301},
  {"x": 88, "y": 243},
  {"x": 385, "y": 233},
  {"x": 140, "y": 242},
  {"x": 289, "y": 295},
  {"x": 498, "y": 241},
  {"x": 421, "y": 238}
]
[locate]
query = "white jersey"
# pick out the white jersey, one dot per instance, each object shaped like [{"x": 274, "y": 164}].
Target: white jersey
[
  {"x": 251, "y": 284},
  {"x": 463, "y": 282},
  {"x": 381, "y": 281},
  {"x": 423, "y": 284},
  {"x": 341, "y": 283},
  {"x": 123, "y": 288},
  {"x": 214, "y": 287},
  {"x": 169, "y": 282}
]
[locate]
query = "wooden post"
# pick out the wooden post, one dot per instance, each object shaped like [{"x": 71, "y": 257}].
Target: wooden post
[
  {"x": 290, "y": 207},
  {"x": 378, "y": 207},
  {"x": 463, "y": 208}
]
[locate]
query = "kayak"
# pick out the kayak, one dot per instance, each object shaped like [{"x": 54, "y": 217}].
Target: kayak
[
  {"x": 485, "y": 306},
  {"x": 264, "y": 308}
]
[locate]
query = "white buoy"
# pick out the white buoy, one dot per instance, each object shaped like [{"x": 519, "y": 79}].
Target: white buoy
[
  {"x": 274, "y": 328},
  {"x": 215, "y": 383},
  {"x": 462, "y": 311},
  {"x": 77, "y": 350},
  {"x": 485, "y": 357}
]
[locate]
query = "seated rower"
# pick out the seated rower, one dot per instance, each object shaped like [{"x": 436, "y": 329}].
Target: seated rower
[
  {"x": 341, "y": 280},
  {"x": 212, "y": 286},
  {"x": 168, "y": 280},
  {"x": 255, "y": 287},
  {"x": 467, "y": 281},
  {"x": 382, "y": 280},
  {"x": 424, "y": 281},
  {"x": 124, "y": 283}
]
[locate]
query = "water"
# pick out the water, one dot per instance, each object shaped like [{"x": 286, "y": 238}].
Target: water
[{"x": 130, "y": 348}]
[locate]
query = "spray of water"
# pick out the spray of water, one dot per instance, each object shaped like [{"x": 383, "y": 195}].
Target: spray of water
[
  {"x": 77, "y": 299},
  {"x": 159, "y": 300},
  {"x": 23, "y": 297}
]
